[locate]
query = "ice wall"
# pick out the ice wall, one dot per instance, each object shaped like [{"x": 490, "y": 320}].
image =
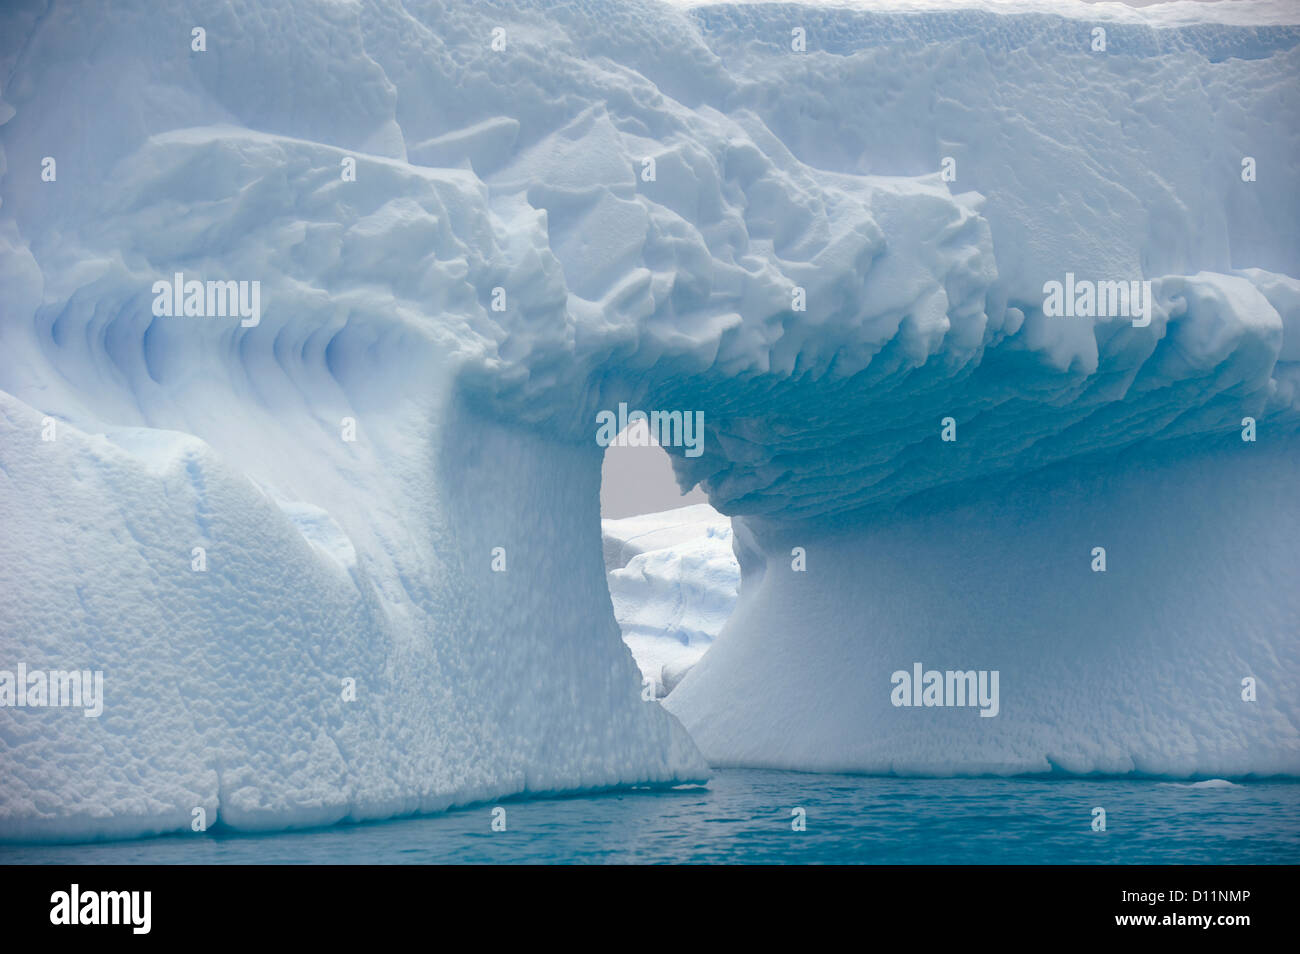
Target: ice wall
[
  {"x": 1138, "y": 669},
  {"x": 504, "y": 266},
  {"x": 227, "y": 690}
]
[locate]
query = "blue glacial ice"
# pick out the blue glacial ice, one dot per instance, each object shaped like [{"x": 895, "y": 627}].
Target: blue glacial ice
[{"x": 505, "y": 265}]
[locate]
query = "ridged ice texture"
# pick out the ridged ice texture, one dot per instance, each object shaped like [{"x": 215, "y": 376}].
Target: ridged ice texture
[{"x": 521, "y": 169}]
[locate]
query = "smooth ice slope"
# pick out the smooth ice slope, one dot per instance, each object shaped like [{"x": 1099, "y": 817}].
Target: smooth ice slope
[{"x": 521, "y": 172}]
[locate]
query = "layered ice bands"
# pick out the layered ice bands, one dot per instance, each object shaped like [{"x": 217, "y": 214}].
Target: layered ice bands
[{"x": 345, "y": 562}]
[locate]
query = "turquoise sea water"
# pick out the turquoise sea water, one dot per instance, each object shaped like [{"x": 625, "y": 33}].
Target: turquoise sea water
[{"x": 745, "y": 817}]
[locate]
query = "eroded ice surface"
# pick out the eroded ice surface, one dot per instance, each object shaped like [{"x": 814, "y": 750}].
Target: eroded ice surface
[{"x": 523, "y": 169}]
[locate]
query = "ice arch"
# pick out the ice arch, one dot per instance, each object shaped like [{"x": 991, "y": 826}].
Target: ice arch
[{"x": 508, "y": 262}]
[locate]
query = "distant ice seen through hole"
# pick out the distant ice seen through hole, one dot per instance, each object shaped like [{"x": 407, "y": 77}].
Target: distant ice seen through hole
[{"x": 669, "y": 564}]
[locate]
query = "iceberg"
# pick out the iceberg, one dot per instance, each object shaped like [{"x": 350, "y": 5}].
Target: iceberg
[{"x": 345, "y": 561}]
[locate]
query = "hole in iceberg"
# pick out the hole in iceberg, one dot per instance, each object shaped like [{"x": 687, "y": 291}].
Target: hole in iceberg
[{"x": 669, "y": 563}]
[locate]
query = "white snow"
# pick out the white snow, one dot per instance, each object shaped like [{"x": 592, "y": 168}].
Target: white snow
[
  {"x": 629, "y": 537},
  {"x": 523, "y": 170}
]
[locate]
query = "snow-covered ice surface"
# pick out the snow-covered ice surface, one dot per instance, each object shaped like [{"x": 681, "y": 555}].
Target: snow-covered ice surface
[
  {"x": 523, "y": 170},
  {"x": 672, "y": 578},
  {"x": 626, "y": 538}
]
